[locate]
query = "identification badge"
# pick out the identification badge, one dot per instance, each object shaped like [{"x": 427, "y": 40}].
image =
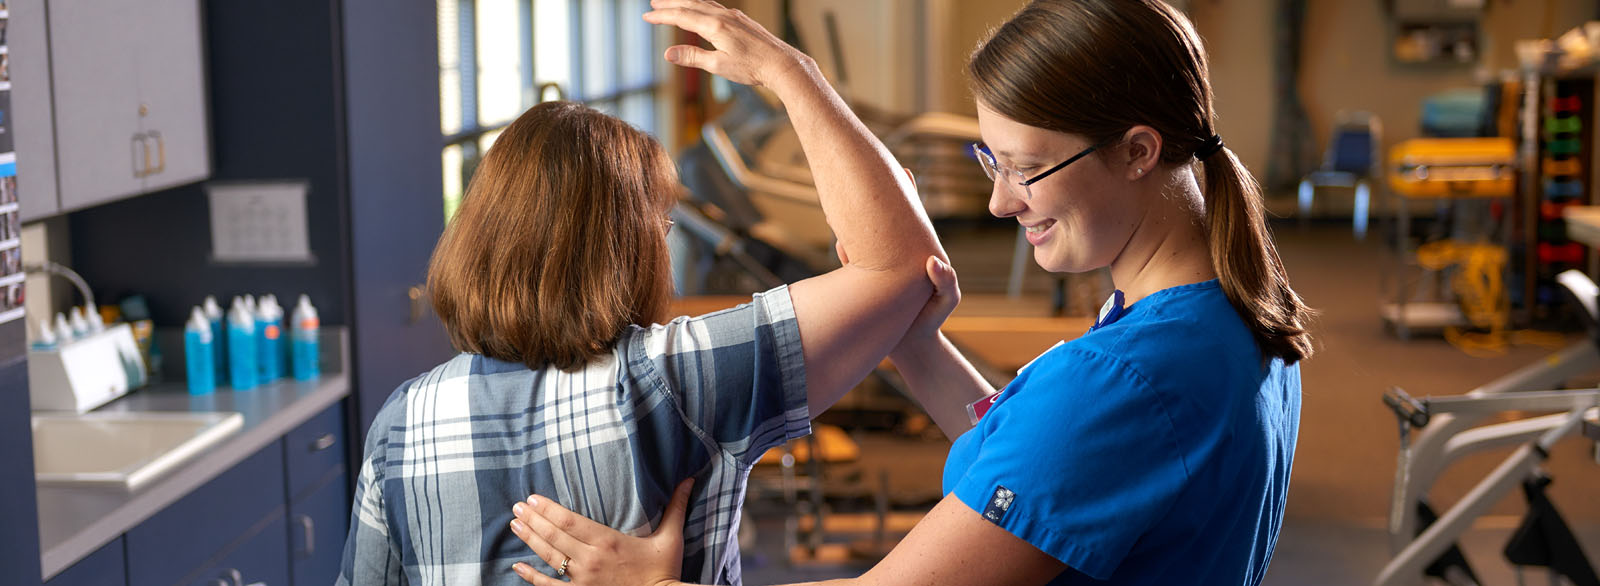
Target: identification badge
[
  {"x": 1109, "y": 312},
  {"x": 977, "y": 409}
]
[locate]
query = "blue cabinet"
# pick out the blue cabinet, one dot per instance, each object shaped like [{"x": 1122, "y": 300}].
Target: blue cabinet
[
  {"x": 169, "y": 547},
  {"x": 318, "y": 525},
  {"x": 319, "y": 509},
  {"x": 259, "y": 558},
  {"x": 104, "y": 567},
  {"x": 277, "y": 518},
  {"x": 314, "y": 450}
]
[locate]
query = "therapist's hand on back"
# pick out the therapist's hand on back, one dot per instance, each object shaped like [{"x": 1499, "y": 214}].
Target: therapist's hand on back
[
  {"x": 597, "y": 554},
  {"x": 743, "y": 51}
]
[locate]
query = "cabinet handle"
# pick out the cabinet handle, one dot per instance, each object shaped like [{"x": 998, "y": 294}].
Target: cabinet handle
[
  {"x": 419, "y": 302},
  {"x": 141, "y": 155},
  {"x": 161, "y": 152},
  {"x": 309, "y": 528},
  {"x": 322, "y": 443}
]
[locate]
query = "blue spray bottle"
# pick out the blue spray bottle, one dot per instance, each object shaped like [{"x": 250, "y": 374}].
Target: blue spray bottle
[
  {"x": 197, "y": 355},
  {"x": 304, "y": 341},
  {"x": 242, "y": 348},
  {"x": 269, "y": 338},
  {"x": 219, "y": 340}
]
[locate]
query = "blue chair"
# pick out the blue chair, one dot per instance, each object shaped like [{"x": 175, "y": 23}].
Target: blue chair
[{"x": 1351, "y": 161}]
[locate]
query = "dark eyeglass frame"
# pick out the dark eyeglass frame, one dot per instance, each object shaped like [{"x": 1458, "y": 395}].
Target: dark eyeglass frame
[{"x": 991, "y": 165}]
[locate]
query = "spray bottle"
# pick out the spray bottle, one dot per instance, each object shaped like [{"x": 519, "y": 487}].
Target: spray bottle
[
  {"x": 198, "y": 358},
  {"x": 242, "y": 368},
  {"x": 306, "y": 326},
  {"x": 269, "y": 338},
  {"x": 219, "y": 339}
]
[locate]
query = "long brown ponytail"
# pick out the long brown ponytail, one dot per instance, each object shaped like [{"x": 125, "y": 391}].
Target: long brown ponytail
[{"x": 1096, "y": 68}]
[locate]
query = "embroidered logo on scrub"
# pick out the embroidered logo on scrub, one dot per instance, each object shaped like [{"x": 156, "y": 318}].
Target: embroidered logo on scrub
[{"x": 999, "y": 504}]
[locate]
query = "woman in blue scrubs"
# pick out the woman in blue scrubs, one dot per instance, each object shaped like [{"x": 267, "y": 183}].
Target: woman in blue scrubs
[{"x": 1155, "y": 449}]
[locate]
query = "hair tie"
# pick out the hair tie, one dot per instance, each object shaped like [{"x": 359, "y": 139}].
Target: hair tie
[{"x": 1209, "y": 147}]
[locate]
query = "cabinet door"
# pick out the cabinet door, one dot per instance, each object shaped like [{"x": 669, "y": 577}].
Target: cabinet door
[
  {"x": 313, "y": 450},
  {"x": 262, "y": 559},
  {"x": 172, "y": 90},
  {"x": 98, "y": 147},
  {"x": 318, "y": 525},
  {"x": 104, "y": 567},
  {"x": 35, "y": 135},
  {"x": 204, "y": 524}
]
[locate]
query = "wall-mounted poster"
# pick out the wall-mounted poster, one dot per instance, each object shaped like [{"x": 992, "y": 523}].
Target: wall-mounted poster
[{"x": 10, "y": 213}]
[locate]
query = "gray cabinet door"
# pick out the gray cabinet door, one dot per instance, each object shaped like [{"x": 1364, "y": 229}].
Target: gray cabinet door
[
  {"x": 98, "y": 147},
  {"x": 172, "y": 88},
  {"x": 35, "y": 133}
]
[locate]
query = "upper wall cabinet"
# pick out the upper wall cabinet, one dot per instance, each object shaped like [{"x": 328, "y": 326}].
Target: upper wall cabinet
[{"x": 128, "y": 100}]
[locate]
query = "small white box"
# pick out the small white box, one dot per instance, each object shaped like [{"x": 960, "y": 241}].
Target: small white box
[{"x": 85, "y": 373}]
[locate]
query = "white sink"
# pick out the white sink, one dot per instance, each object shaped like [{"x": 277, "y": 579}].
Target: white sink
[{"x": 122, "y": 450}]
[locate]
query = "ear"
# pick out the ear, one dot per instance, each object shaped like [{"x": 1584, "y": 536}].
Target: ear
[{"x": 1140, "y": 152}]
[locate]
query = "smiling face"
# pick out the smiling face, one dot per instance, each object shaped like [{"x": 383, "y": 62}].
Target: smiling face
[{"x": 1081, "y": 217}]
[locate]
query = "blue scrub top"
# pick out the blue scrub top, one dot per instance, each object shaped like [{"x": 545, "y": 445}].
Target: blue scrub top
[{"x": 1153, "y": 450}]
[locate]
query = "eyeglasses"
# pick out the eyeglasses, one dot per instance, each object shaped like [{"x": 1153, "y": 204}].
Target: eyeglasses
[{"x": 1015, "y": 178}]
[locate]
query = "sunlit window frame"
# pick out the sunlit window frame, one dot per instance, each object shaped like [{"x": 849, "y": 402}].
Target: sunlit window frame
[{"x": 469, "y": 139}]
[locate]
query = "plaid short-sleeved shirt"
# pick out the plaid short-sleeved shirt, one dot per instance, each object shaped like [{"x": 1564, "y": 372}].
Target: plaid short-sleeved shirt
[{"x": 453, "y": 449}]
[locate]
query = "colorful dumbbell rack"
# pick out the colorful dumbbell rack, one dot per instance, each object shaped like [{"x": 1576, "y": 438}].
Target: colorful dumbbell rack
[{"x": 1562, "y": 183}]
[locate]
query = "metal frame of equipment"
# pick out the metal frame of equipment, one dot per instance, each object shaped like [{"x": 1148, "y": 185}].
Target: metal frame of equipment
[{"x": 1447, "y": 433}]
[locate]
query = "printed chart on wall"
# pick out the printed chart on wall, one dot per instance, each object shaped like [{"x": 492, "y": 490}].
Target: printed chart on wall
[{"x": 10, "y": 218}]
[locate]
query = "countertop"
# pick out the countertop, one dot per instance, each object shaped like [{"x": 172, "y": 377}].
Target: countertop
[{"x": 74, "y": 522}]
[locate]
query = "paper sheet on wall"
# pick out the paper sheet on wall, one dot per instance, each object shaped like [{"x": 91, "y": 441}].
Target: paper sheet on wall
[{"x": 259, "y": 222}]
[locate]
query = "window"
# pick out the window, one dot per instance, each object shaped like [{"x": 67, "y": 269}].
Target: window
[{"x": 497, "y": 58}]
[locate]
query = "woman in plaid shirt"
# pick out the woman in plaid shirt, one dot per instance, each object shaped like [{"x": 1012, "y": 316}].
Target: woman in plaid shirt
[{"x": 551, "y": 280}]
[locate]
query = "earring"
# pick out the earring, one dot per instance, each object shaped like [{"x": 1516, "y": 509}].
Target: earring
[{"x": 1138, "y": 171}]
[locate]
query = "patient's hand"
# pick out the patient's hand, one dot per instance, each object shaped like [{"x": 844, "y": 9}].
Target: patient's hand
[
  {"x": 592, "y": 553},
  {"x": 742, "y": 50},
  {"x": 946, "y": 294}
]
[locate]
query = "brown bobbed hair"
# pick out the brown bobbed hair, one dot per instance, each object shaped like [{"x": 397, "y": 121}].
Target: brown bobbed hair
[
  {"x": 1097, "y": 68},
  {"x": 560, "y": 241}
]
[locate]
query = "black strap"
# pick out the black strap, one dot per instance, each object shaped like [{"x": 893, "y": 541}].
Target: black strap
[{"x": 1209, "y": 147}]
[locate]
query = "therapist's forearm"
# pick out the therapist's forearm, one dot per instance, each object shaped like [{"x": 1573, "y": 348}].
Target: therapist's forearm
[
  {"x": 869, "y": 202},
  {"x": 942, "y": 380}
]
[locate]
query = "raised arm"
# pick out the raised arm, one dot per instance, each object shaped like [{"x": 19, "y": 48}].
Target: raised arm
[{"x": 851, "y": 317}]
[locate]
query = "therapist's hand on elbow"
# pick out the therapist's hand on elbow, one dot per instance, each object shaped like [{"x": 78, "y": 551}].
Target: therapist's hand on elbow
[
  {"x": 743, "y": 51},
  {"x": 587, "y": 552},
  {"x": 925, "y": 328}
]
